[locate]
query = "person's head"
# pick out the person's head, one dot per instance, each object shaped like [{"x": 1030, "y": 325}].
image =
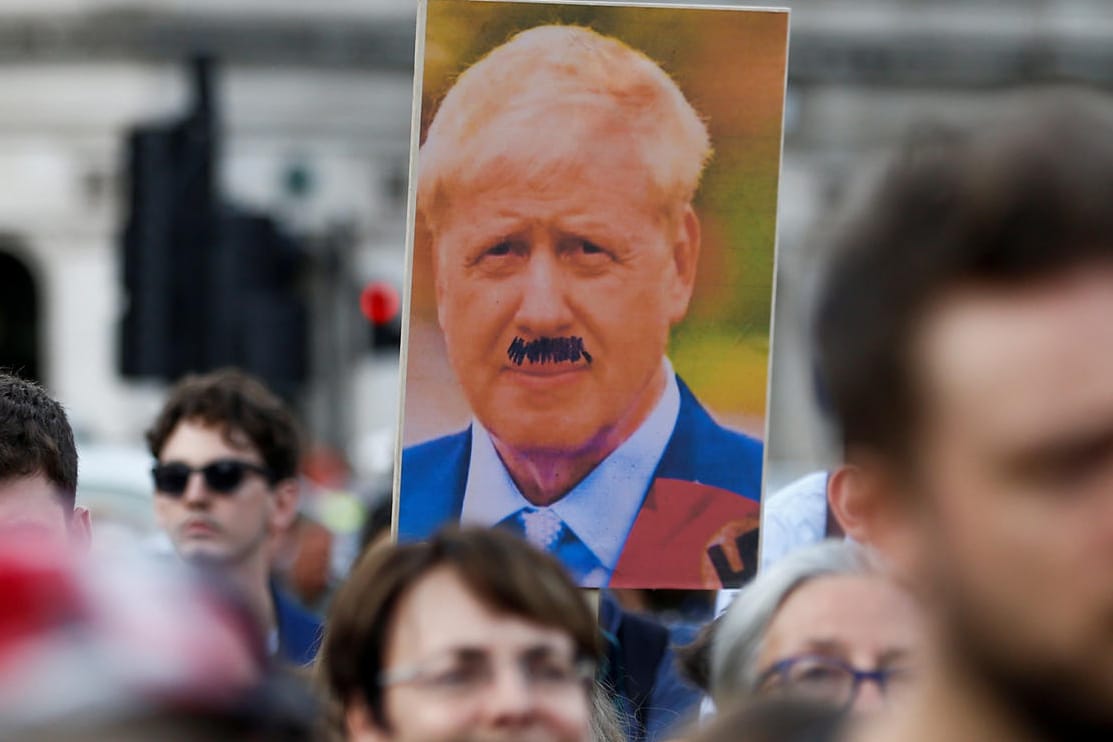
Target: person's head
[
  {"x": 803, "y": 627},
  {"x": 965, "y": 344},
  {"x": 227, "y": 465},
  {"x": 105, "y": 646},
  {"x": 38, "y": 464},
  {"x": 473, "y": 635},
  {"x": 554, "y": 190}
]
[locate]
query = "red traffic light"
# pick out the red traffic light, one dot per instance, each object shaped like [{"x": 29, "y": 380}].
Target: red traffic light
[{"x": 380, "y": 302}]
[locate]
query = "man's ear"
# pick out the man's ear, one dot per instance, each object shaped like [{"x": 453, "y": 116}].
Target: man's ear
[
  {"x": 874, "y": 506},
  {"x": 685, "y": 257},
  {"x": 848, "y": 502},
  {"x": 284, "y": 506},
  {"x": 424, "y": 252},
  {"x": 360, "y": 725},
  {"x": 81, "y": 529}
]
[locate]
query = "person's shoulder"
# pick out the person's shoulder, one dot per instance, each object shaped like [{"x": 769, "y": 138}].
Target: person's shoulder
[
  {"x": 695, "y": 418},
  {"x": 794, "y": 515},
  {"x": 802, "y": 494},
  {"x": 711, "y": 453},
  {"x": 433, "y": 480},
  {"x": 438, "y": 450},
  {"x": 299, "y": 631}
]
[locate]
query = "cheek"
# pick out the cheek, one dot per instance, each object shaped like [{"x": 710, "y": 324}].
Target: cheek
[
  {"x": 471, "y": 303},
  {"x": 165, "y": 510},
  {"x": 572, "y": 719},
  {"x": 413, "y": 718},
  {"x": 998, "y": 548}
]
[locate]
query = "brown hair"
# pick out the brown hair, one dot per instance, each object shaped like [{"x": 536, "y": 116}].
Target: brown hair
[
  {"x": 1003, "y": 205},
  {"x": 35, "y": 436},
  {"x": 239, "y": 404},
  {"x": 502, "y": 571}
]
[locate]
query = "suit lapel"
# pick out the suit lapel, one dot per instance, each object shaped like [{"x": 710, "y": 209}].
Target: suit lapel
[{"x": 691, "y": 533}]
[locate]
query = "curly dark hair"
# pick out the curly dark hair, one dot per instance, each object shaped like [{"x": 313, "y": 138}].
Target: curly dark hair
[
  {"x": 36, "y": 437},
  {"x": 239, "y": 404}
]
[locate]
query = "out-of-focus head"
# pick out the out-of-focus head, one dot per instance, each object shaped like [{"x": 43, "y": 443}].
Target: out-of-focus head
[
  {"x": 110, "y": 647},
  {"x": 227, "y": 462},
  {"x": 473, "y": 635},
  {"x": 38, "y": 464},
  {"x": 805, "y": 627},
  {"x": 555, "y": 190},
  {"x": 964, "y": 341}
]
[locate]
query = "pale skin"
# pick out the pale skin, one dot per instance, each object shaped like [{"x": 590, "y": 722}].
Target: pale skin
[
  {"x": 1019, "y": 436},
  {"x": 589, "y": 257},
  {"x": 32, "y": 504},
  {"x": 230, "y": 532}
]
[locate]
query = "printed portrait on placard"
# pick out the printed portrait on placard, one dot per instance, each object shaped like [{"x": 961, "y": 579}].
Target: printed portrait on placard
[{"x": 592, "y": 270}]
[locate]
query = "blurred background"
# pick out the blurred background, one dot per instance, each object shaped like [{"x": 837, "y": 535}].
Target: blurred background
[{"x": 195, "y": 184}]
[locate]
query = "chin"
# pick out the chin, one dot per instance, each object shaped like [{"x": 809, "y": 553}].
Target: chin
[
  {"x": 546, "y": 438},
  {"x": 203, "y": 555}
]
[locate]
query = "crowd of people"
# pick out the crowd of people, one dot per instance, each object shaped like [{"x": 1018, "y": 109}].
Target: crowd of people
[{"x": 959, "y": 585}]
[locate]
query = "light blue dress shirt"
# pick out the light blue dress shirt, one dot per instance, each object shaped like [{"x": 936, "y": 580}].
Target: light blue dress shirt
[{"x": 602, "y": 508}]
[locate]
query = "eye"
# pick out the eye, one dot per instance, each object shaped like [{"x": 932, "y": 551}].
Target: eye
[
  {"x": 500, "y": 250},
  {"x": 458, "y": 676},
  {"x": 819, "y": 674},
  {"x": 586, "y": 254},
  {"x": 587, "y": 247},
  {"x": 551, "y": 671},
  {"x": 500, "y": 257},
  {"x": 898, "y": 677}
]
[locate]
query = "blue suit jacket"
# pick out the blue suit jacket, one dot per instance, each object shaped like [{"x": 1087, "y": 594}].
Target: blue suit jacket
[
  {"x": 299, "y": 631},
  {"x": 705, "y": 491}
]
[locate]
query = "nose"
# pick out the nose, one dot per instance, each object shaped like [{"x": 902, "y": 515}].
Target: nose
[
  {"x": 196, "y": 492},
  {"x": 869, "y": 698},
  {"x": 510, "y": 702},
  {"x": 544, "y": 309}
]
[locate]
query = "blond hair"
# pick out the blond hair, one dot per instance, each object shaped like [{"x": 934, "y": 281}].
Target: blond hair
[{"x": 596, "y": 86}]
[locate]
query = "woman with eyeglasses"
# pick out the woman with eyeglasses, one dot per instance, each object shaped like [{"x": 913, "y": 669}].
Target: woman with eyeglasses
[{"x": 825, "y": 624}]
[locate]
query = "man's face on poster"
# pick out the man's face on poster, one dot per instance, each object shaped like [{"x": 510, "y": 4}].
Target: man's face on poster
[{"x": 556, "y": 292}]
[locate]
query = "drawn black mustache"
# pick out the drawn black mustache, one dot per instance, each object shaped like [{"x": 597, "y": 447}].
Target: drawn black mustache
[{"x": 547, "y": 350}]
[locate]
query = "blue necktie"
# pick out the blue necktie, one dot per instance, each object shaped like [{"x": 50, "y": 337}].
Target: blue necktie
[{"x": 544, "y": 529}]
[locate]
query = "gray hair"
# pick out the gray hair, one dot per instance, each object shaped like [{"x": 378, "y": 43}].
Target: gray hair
[
  {"x": 741, "y": 631},
  {"x": 606, "y": 720}
]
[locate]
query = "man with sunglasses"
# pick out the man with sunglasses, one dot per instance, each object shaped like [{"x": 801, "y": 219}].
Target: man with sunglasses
[{"x": 225, "y": 484}]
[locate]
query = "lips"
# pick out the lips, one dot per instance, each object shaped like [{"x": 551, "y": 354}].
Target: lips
[
  {"x": 199, "y": 527},
  {"x": 549, "y": 370}
]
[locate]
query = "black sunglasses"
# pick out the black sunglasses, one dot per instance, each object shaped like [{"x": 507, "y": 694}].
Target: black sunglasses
[{"x": 222, "y": 476}]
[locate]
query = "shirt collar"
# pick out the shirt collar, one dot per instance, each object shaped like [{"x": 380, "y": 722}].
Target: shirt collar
[{"x": 602, "y": 508}]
